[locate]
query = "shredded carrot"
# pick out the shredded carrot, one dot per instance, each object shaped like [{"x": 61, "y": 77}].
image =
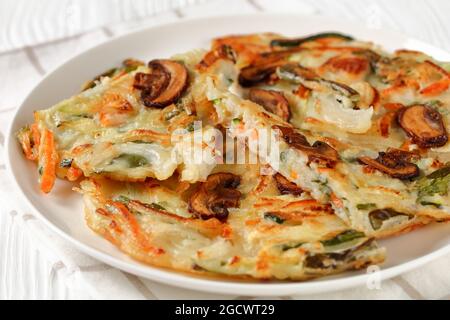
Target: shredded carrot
[
  {"x": 368, "y": 170},
  {"x": 262, "y": 264},
  {"x": 393, "y": 106},
  {"x": 103, "y": 212},
  {"x": 405, "y": 146},
  {"x": 73, "y": 174},
  {"x": 113, "y": 225},
  {"x": 114, "y": 110},
  {"x": 29, "y": 141},
  {"x": 80, "y": 149},
  {"x": 313, "y": 120},
  {"x": 376, "y": 99},
  {"x": 182, "y": 187},
  {"x": 393, "y": 191},
  {"x": 392, "y": 89},
  {"x": 437, "y": 164},
  {"x": 48, "y": 160},
  {"x": 436, "y": 88},
  {"x": 336, "y": 144},
  {"x": 385, "y": 123},
  {"x": 227, "y": 232},
  {"x": 437, "y": 68},
  {"x": 294, "y": 175},
  {"x": 252, "y": 222},
  {"x": 218, "y": 53},
  {"x": 136, "y": 229},
  {"x": 402, "y": 85},
  {"x": 254, "y": 135},
  {"x": 302, "y": 92},
  {"x": 336, "y": 201},
  {"x": 147, "y": 135},
  {"x": 235, "y": 260},
  {"x": 240, "y": 128}
]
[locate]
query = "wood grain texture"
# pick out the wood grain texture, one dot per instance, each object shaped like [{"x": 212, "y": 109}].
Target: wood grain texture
[{"x": 27, "y": 23}]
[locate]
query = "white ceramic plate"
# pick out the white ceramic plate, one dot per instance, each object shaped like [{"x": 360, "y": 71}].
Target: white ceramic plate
[{"x": 62, "y": 209}]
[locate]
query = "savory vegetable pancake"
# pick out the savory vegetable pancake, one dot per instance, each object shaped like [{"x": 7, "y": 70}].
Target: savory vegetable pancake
[
  {"x": 326, "y": 81},
  {"x": 350, "y": 142},
  {"x": 237, "y": 223},
  {"x": 128, "y": 125},
  {"x": 379, "y": 196}
]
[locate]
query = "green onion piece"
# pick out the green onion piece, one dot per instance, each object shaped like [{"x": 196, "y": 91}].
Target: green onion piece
[
  {"x": 133, "y": 160},
  {"x": 343, "y": 237},
  {"x": 366, "y": 206},
  {"x": 274, "y": 218}
]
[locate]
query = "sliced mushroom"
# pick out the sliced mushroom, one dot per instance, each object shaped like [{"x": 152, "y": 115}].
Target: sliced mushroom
[
  {"x": 319, "y": 152},
  {"x": 322, "y": 151},
  {"x": 292, "y": 137},
  {"x": 299, "y": 41},
  {"x": 164, "y": 85},
  {"x": 424, "y": 125},
  {"x": 213, "y": 197},
  {"x": 287, "y": 187},
  {"x": 153, "y": 83},
  {"x": 272, "y": 101},
  {"x": 257, "y": 73},
  {"x": 403, "y": 155},
  {"x": 395, "y": 163}
]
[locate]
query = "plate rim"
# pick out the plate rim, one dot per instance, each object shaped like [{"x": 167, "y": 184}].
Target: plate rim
[{"x": 186, "y": 281}]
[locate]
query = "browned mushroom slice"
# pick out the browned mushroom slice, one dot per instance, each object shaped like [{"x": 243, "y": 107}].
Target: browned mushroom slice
[
  {"x": 272, "y": 101},
  {"x": 322, "y": 151},
  {"x": 402, "y": 155},
  {"x": 292, "y": 137},
  {"x": 287, "y": 187},
  {"x": 424, "y": 125},
  {"x": 255, "y": 74},
  {"x": 213, "y": 197},
  {"x": 153, "y": 84},
  {"x": 164, "y": 85},
  {"x": 394, "y": 163},
  {"x": 319, "y": 152}
]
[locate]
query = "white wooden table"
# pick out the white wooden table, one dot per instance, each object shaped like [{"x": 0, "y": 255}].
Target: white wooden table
[{"x": 25, "y": 273}]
